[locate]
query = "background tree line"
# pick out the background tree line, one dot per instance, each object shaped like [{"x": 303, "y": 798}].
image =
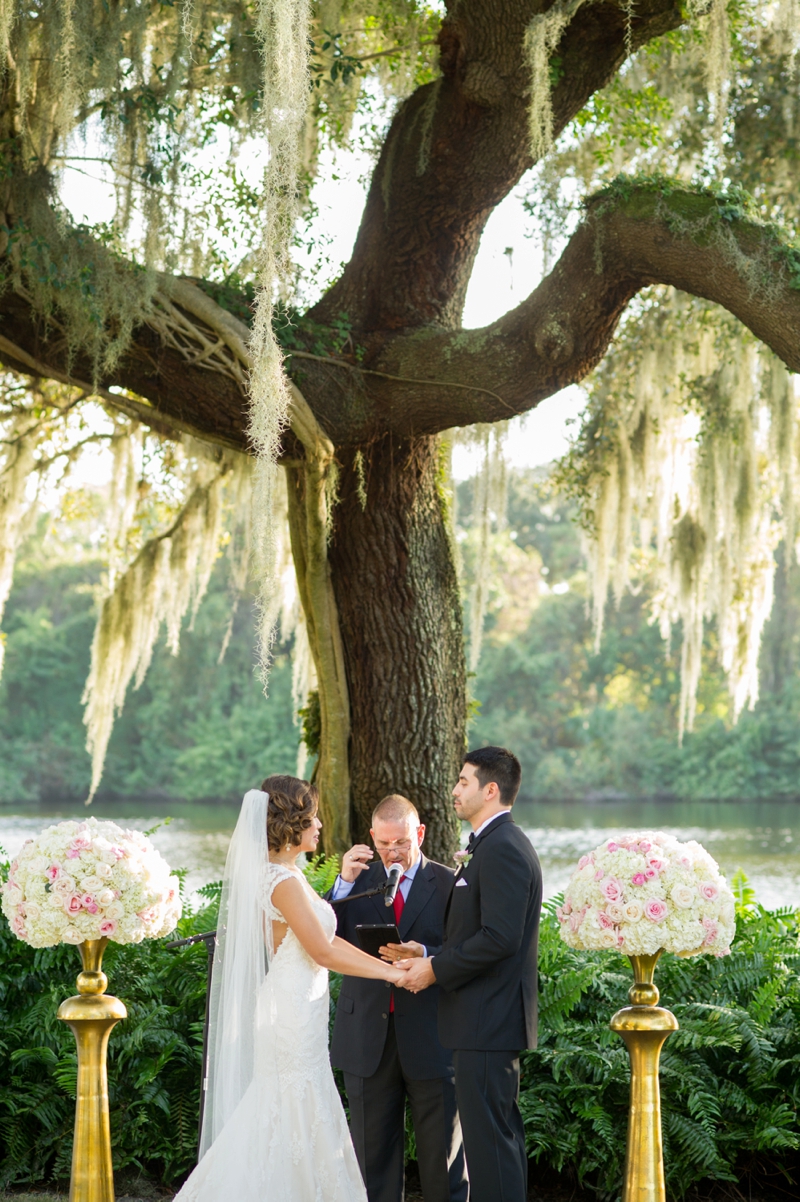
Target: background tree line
[{"x": 585, "y": 723}]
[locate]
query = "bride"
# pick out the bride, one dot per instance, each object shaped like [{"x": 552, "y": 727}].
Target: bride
[{"x": 274, "y": 1129}]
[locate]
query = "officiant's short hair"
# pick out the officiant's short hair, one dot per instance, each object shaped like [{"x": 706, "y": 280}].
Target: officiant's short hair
[{"x": 394, "y": 808}]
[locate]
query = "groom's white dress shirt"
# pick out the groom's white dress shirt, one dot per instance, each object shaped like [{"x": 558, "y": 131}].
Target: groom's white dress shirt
[{"x": 484, "y": 825}]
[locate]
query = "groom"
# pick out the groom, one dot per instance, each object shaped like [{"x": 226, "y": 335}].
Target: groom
[{"x": 487, "y": 974}]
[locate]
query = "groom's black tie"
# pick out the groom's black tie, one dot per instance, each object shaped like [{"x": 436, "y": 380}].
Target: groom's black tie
[{"x": 470, "y": 840}]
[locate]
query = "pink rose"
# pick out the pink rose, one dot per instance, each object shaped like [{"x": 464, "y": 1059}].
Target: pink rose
[
  {"x": 709, "y": 891},
  {"x": 583, "y": 861},
  {"x": 53, "y": 871},
  {"x": 656, "y": 909},
  {"x": 88, "y": 903},
  {"x": 575, "y": 921},
  {"x": 612, "y": 889},
  {"x": 644, "y": 847},
  {"x": 603, "y": 921},
  {"x": 119, "y": 852},
  {"x": 74, "y": 905},
  {"x": 598, "y": 876},
  {"x": 650, "y": 874},
  {"x": 638, "y": 878},
  {"x": 107, "y": 927},
  {"x": 612, "y": 846},
  {"x": 656, "y": 864},
  {"x": 711, "y": 933},
  {"x": 18, "y": 927},
  {"x": 73, "y": 853}
]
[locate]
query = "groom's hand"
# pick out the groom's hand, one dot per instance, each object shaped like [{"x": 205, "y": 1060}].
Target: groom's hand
[
  {"x": 401, "y": 951},
  {"x": 419, "y": 974},
  {"x": 355, "y": 861}
]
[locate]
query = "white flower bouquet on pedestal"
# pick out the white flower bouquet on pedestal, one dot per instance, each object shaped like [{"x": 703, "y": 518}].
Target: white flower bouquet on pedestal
[
  {"x": 645, "y": 893},
  {"x": 79, "y": 881}
]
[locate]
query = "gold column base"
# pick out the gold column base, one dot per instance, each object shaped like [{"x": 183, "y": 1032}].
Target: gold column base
[
  {"x": 644, "y": 1026},
  {"x": 91, "y": 1016}
]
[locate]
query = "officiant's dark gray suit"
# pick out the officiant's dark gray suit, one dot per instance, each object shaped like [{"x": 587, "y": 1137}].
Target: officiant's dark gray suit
[
  {"x": 386, "y": 1057},
  {"x": 487, "y": 975}
]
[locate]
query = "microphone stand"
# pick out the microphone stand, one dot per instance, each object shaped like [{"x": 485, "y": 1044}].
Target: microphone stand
[
  {"x": 366, "y": 893},
  {"x": 210, "y": 940}
]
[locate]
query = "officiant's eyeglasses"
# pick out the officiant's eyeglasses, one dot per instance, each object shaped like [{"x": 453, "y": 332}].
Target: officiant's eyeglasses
[{"x": 395, "y": 845}]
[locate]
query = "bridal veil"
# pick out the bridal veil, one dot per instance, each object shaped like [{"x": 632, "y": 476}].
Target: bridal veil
[{"x": 240, "y": 967}]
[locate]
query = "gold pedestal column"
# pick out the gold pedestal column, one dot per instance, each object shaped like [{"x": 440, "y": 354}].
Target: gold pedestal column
[
  {"x": 644, "y": 1026},
  {"x": 92, "y": 1015}
]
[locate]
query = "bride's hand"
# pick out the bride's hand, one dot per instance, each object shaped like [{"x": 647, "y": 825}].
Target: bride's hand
[{"x": 396, "y": 976}]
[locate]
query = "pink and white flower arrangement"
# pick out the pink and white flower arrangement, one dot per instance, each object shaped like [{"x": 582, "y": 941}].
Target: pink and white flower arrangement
[
  {"x": 639, "y": 893},
  {"x": 90, "y": 880}
]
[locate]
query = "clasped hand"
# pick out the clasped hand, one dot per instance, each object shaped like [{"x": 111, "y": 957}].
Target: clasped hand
[
  {"x": 415, "y": 971},
  {"x": 415, "y": 975}
]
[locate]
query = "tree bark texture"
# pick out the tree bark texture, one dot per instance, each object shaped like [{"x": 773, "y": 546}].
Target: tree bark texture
[{"x": 400, "y": 613}]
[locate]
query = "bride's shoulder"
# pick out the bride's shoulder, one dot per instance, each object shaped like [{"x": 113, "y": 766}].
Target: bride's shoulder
[{"x": 272, "y": 874}]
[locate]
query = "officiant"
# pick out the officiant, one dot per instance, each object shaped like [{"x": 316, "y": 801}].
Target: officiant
[{"x": 386, "y": 1042}]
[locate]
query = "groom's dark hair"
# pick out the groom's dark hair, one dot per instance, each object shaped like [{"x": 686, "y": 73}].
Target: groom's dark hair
[{"x": 499, "y": 765}]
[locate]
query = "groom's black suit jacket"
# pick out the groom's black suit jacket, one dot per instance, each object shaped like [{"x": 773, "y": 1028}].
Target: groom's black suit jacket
[
  {"x": 362, "y": 1012},
  {"x": 487, "y": 968}
]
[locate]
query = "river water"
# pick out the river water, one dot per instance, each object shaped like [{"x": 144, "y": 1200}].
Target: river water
[{"x": 762, "y": 838}]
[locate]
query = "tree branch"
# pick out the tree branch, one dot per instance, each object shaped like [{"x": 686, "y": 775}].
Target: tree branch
[
  {"x": 632, "y": 236},
  {"x": 459, "y": 145}
]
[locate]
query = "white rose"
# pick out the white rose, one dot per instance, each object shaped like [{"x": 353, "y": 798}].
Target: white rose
[
  {"x": 633, "y": 911},
  {"x": 103, "y": 870},
  {"x": 608, "y": 938},
  {"x": 39, "y": 864},
  {"x": 32, "y": 911},
  {"x": 683, "y": 896},
  {"x": 115, "y": 910},
  {"x": 105, "y": 897},
  {"x": 90, "y": 884},
  {"x": 72, "y": 936},
  {"x": 615, "y": 912},
  {"x": 55, "y": 900}
]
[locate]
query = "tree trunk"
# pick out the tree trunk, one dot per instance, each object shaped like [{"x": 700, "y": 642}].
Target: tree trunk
[{"x": 396, "y": 589}]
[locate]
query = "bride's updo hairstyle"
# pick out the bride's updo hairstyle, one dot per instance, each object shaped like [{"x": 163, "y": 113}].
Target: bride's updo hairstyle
[{"x": 290, "y": 811}]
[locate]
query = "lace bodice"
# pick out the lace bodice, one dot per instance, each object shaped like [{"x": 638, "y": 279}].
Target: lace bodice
[{"x": 272, "y": 874}]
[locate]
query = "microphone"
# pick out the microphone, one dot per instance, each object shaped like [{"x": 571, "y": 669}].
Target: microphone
[{"x": 392, "y": 883}]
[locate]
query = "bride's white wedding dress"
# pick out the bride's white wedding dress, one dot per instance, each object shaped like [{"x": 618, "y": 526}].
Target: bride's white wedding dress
[{"x": 287, "y": 1140}]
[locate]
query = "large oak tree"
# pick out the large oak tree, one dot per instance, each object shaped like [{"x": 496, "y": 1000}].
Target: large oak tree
[{"x": 376, "y": 569}]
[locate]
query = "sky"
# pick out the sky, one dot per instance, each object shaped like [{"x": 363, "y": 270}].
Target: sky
[{"x": 507, "y": 268}]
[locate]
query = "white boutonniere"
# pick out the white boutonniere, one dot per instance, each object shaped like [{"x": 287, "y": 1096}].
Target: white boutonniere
[{"x": 462, "y": 858}]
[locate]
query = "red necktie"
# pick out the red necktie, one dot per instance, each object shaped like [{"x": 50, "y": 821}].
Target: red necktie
[{"x": 398, "y": 903}]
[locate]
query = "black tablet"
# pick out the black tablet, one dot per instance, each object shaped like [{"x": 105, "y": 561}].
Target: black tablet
[{"x": 373, "y": 935}]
